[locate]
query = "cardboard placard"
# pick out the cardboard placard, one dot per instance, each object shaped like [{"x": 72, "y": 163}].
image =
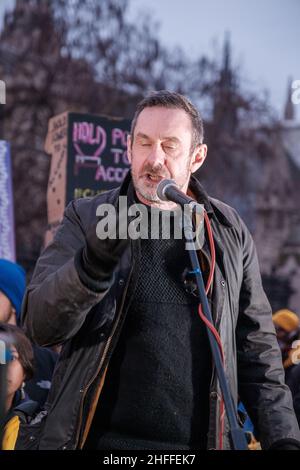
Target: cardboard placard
[{"x": 89, "y": 156}]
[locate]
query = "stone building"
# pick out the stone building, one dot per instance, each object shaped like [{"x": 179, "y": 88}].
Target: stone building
[{"x": 277, "y": 228}]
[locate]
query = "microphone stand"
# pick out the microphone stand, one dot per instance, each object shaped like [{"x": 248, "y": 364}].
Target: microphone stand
[{"x": 237, "y": 434}]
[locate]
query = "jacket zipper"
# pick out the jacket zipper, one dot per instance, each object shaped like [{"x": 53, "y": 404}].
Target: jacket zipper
[{"x": 102, "y": 360}]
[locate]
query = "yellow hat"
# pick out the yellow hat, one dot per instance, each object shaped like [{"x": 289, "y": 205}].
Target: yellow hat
[{"x": 286, "y": 319}]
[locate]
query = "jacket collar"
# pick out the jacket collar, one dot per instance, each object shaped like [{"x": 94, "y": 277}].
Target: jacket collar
[{"x": 196, "y": 190}]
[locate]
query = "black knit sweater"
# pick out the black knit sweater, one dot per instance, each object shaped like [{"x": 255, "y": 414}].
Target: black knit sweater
[{"x": 156, "y": 391}]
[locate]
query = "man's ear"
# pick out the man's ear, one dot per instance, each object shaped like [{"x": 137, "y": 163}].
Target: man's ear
[
  {"x": 199, "y": 155},
  {"x": 129, "y": 143}
]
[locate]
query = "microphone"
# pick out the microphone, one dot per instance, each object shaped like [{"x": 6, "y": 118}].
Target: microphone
[{"x": 167, "y": 190}]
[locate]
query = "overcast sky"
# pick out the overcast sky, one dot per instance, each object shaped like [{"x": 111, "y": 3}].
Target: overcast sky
[{"x": 265, "y": 35}]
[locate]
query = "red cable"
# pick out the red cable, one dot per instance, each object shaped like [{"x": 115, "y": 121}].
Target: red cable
[{"x": 208, "y": 323}]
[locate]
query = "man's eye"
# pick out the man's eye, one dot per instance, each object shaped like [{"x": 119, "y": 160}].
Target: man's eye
[
  {"x": 169, "y": 147},
  {"x": 145, "y": 145}
]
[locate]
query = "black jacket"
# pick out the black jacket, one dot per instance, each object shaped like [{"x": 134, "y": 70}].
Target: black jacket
[{"x": 58, "y": 308}]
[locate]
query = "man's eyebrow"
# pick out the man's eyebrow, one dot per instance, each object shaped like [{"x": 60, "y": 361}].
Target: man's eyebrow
[
  {"x": 172, "y": 138},
  {"x": 144, "y": 136}
]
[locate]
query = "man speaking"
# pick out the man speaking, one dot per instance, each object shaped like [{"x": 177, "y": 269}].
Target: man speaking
[{"x": 136, "y": 371}]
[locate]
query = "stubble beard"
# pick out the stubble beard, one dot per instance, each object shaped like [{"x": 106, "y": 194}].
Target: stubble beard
[{"x": 151, "y": 194}]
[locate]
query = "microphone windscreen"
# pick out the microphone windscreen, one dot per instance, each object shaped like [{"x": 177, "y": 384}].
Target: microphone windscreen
[{"x": 161, "y": 188}]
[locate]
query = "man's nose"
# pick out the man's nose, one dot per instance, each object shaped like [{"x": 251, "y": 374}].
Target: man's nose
[{"x": 156, "y": 157}]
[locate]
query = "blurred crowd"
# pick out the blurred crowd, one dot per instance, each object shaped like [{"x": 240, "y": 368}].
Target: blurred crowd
[{"x": 26, "y": 369}]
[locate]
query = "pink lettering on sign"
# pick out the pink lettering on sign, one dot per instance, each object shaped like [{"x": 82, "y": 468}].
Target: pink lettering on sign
[
  {"x": 88, "y": 133},
  {"x": 110, "y": 174},
  {"x": 119, "y": 137},
  {"x": 119, "y": 156}
]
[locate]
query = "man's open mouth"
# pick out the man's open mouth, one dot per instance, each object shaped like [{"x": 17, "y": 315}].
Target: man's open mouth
[{"x": 153, "y": 178}]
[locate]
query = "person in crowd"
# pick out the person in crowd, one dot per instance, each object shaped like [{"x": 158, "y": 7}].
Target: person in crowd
[
  {"x": 19, "y": 369},
  {"x": 12, "y": 289},
  {"x": 287, "y": 325}
]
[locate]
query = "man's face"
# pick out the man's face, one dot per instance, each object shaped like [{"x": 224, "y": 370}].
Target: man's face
[
  {"x": 161, "y": 148},
  {"x": 7, "y": 312}
]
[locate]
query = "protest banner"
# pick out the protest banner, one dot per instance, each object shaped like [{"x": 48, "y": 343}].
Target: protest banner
[
  {"x": 88, "y": 156},
  {"x": 7, "y": 227}
]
